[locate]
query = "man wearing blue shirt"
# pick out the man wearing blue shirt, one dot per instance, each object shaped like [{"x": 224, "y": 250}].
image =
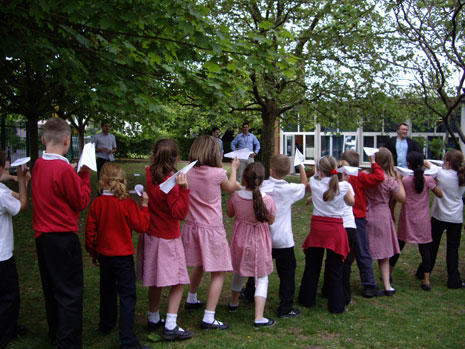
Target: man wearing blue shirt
[
  {"x": 245, "y": 140},
  {"x": 400, "y": 146}
]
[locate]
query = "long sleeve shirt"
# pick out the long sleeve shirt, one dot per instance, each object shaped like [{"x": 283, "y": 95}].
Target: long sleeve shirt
[
  {"x": 242, "y": 141},
  {"x": 110, "y": 224}
]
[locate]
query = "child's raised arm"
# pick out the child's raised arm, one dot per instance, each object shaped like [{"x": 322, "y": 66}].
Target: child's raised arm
[
  {"x": 231, "y": 185},
  {"x": 22, "y": 182},
  {"x": 303, "y": 178}
]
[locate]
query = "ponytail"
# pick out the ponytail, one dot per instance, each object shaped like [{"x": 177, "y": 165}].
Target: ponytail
[
  {"x": 253, "y": 176},
  {"x": 327, "y": 165},
  {"x": 333, "y": 189},
  {"x": 455, "y": 158},
  {"x": 415, "y": 161}
]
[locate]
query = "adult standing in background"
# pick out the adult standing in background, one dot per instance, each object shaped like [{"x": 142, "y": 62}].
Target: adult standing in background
[
  {"x": 245, "y": 140},
  {"x": 105, "y": 146},
  {"x": 216, "y": 133},
  {"x": 401, "y": 145}
]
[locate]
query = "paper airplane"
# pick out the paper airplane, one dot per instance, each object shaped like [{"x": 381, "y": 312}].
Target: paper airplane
[
  {"x": 241, "y": 154},
  {"x": 169, "y": 184},
  {"x": 405, "y": 172},
  {"x": 433, "y": 172},
  {"x": 350, "y": 170},
  {"x": 370, "y": 151},
  {"x": 298, "y": 158},
  {"x": 436, "y": 162},
  {"x": 20, "y": 162},
  {"x": 88, "y": 157}
]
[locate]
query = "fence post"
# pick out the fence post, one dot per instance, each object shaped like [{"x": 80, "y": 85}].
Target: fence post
[{"x": 3, "y": 145}]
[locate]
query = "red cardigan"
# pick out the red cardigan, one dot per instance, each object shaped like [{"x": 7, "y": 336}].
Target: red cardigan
[
  {"x": 360, "y": 183},
  {"x": 166, "y": 210},
  {"x": 59, "y": 194},
  {"x": 110, "y": 223}
]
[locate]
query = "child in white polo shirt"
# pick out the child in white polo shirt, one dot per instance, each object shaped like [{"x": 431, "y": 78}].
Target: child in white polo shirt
[
  {"x": 282, "y": 238},
  {"x": 9, "y": 289}
]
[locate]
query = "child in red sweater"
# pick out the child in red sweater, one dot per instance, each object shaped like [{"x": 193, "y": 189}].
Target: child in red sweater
[
  {"x": 110, "y": 222},
  {"x": 58, "y": 197},
  {"x": 161, "y": 261}
]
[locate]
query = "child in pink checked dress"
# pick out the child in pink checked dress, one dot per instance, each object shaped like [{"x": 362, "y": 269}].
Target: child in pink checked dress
[
  {"x": 251, "y": 239},
  {"x": 414, "y": 221},
  {"x": 203, "y": 235},
  {"x": 381, "y": 231},
  {"x": 160, "y": 259}
]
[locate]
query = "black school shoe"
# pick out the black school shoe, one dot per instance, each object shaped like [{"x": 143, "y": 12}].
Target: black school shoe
[
  {"x": 372, "y": 291},
  {"x": 215, "y": 325},
  {"x": 176, "y": 334},
  {"x": 194, "y": 306},
  {"x": 270, "y": 323},
  {"x": 292, "y": 313},
  {"x": 152, "y": 326}
]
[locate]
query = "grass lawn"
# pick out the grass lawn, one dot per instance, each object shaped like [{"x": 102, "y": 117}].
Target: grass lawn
[{"x": 411, "y": 318}]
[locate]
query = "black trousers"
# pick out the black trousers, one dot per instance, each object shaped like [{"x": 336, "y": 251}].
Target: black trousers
[
  {"x": 100, "y": 163},
  {"x": 117, "y": 277},
  {"x": 285, "y": 266},
  {"x": 9, "y": 301},
  {"x": 453, "y": 232},
  {"x": 60, "y": 265},
  {"x": 425, "y": 253},
  {"x": 334, "y": 275}
]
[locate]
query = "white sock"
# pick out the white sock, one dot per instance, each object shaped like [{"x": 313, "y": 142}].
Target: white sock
[
  {"x": 234, "y": 305},
  {"x": 263, "y": 320},
  {"x": 192, "y": 297},
  {"x": 208, "y": 316},
  {"x": 154, "y": 317},
  {"x": 170, "y": 322}
]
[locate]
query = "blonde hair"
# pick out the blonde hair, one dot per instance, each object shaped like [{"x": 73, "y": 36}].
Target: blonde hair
[
  {"x": 281, "y": 164},
  {"x": 113, "y": 178},
  {"x": 326, "y": 165},
  {"x": 55, "y": 131},
  {"x": 206, "y": 150},
  {"x": 384, "y": 159}
]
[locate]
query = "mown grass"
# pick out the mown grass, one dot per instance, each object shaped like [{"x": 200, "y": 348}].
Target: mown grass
[{"x": 412, "y": 318}]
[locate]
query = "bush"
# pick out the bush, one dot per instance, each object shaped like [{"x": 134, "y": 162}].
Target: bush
[{"x": 133, "y": 148}]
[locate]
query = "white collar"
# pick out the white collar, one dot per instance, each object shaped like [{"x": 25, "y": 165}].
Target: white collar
[
  {"x": 107, "y": 192},
  {"x": 272, "y": 179},
  {"x": 248, "y": 195},
  {"x": 54, "y": 156}
]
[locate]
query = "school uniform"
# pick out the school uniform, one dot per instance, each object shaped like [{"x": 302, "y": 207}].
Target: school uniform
[
  {"x": 9, "y": 287},
  {"x": 327, "y": 217},
  {"x": 58, "y": 196},
  {"x": 109, "y": 236},
  {"x": 160, "y": 254},
  {"x": 282, "y": 239},
  {"x": 447, "y": 214}
]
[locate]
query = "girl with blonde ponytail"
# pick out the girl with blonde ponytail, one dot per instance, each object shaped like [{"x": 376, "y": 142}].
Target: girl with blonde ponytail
[
  {"x": 326, "y": 233},
  {"x": 251, "y": 239}
]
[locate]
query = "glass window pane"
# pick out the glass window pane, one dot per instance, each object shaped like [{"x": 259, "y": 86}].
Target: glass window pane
[
  {"x": 309, "y": 147},
  {"x": 325, "y": 145},
  {"x": 350, "y": 143},
  {"x": 338, "y": 142},
  {"x": 299, "y": 142},
  {"x": 289, "y": 145},
  {"x": 381, "y": 141}
]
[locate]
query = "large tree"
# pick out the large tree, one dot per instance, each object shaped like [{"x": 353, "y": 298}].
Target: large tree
[{"x": 431, "y": 39}]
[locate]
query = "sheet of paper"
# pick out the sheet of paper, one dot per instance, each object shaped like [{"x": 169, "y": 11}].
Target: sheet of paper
[
  {"x": 350, "y": 170},
  {"x": 136, "y": 174},
  {"x": 20, "y": 162},
  {"x": 405, "y": 172},
  {"x": 88, "y": 157},
  {"x": 298, "y": 158},
  {"x": 241, "y": 154},
  {"x": 436, "y": 162},
  {"x": 111, "y": 157},
  {"x": 169, "y": 184},
  {"x": 370, "y": 151},
  {"x": 433, "y": 172},
  {"x": 139, "y": 188}
]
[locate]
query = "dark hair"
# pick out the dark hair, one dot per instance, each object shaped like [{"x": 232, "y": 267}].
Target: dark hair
[
  {"x": 455, "y": 158},
  {"x": 415, "y": 161},
  {"x": 2, "y": 158},
  {"x": 215, "y": 129},
  {"x": 352, "y": 157},
  {"x": 401, "y": 124},
  {"x": 206, "y": 150},
  {"x": 165, "y": 153},
  {"x": 245, "y": 123},
  {"x": 104, "y": 122},
  {"x": 253, "y": 177}
]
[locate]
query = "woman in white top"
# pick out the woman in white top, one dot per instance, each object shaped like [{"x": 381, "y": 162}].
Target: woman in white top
[{"x": 447, "y": 214}]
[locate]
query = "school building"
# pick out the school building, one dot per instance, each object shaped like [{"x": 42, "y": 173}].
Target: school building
[{"x": 322, "y": 141}]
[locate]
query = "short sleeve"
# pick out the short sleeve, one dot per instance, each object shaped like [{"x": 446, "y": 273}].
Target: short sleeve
[
  {"x": 270, "y": 205},
  {"x": 430, "y": 182},
  {"x": 297, "y": 191},
  {"x": 220, "y": 175},
  {"x": 9, "y": 204},
  {"x": 393, "y": 185}
]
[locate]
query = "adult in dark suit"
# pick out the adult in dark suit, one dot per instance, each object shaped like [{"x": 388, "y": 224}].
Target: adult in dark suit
[{"x": 401, "y": 145}]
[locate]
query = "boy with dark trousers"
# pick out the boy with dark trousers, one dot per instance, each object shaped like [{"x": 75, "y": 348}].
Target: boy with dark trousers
[{"x": 58, "y": 197}]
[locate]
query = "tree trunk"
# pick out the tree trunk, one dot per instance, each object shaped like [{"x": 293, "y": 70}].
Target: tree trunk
[
  {"x": 267, "y": 146},
  {"x": 33, "y": 136},
  {"x": 81, "y": 131}
]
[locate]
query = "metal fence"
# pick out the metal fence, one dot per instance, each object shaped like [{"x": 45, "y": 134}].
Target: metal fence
[{"x": 17, "y": 144}]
